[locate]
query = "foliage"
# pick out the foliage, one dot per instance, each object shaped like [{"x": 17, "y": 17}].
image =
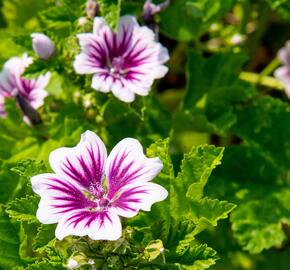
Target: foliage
[{"x": 218, "y": 121}]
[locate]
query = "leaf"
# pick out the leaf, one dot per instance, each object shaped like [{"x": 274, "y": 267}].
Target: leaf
[
  {"x": 191, "y": 18},
  {"x": 171, "y": 233},
  {"x": 257, "y": 225},
  {"x": 196, "y": 168},
  {"x": 45, "y": 265},
  {"x": 45, "y": 234},
  {"x": 23, "y": 40},
  {"x": 213, "y": 90},
  {"x": 23, "y": 209},
  {"x": 194, "y": 257},
  {"x": 184, "y": 252},
  {"x": 261, "y": 123},
  {"x": 160, "y": 149},
  {"x": 110, "y": 10},
  {"x": 9, "y": 243},
  {"x": 207, "y": 212},
  {"x": 29, "y": 167}
]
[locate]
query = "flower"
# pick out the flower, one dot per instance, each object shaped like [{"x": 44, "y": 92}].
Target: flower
[
  {"x": 72, "y": 264},
  {"x": 88, "y": 191},
  {"x": 125, "y": 63},
  {"x": 12, "y": 84},
  {"x": 2, "y": 110},
  {"x": 42, "y": 45},
  {"x": 150, "y": 9},
  {"x": 92, "y": 8},
  {"x": 283, "y": 73}
]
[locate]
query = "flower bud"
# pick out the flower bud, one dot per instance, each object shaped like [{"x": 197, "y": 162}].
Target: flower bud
[
  {"x": 72, "y": 264},
  {"x": 42, "y": 45},
  {"x": 82, "y": 21},
  {"x": 150, "y": 9},
  {"x": 92, "y": 8}
]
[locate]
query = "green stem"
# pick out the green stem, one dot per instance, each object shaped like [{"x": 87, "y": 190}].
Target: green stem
[
  {"x": 267, "y": 81},
  {"x": 271, "y": 67}
]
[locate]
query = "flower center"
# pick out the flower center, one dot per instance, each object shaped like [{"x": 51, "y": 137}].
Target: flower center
[
  {"x": 116, "y": 67},
  {"x": 97, "y": 196}
]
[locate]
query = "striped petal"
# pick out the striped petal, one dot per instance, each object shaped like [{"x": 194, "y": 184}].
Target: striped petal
[
  {"x": 131, "y": 200},
  {"x": 58, "y": 197},
  {"x": 128, "y": 167},
  {"x": 83, "y": 164},
  {"x": 125, "y": 63},
  {"x": 104, "y": 225}
]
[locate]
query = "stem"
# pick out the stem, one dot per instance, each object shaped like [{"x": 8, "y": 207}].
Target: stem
[
  {"x": 267, "y": 81},
  {"x": 271, "y": 67}
]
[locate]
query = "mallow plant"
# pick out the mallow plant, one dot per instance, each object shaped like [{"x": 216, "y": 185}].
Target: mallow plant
[{"x": 144, "y": 134}]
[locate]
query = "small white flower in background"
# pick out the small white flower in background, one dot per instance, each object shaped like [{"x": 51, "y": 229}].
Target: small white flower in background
[
  {"x": 237, "y": 39},
  {"x": 42, "y": 45},
  {"x": 126, "y": 63},
  {"x": 72, "y": 264},
  {"x": 150, "y": 9},
  {"x": 88, "y": 191},
  {"x": 91, "y": 262},
  {"x": 82, "y": 21},
  {"x": 12, "y": 83},
  {"x": 283, "y": 73}
]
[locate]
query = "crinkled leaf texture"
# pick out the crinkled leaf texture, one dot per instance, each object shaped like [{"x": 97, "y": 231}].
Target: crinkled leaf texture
[
  {"x": 110, "y": 10},
  {"x": 9, "y": 243}
]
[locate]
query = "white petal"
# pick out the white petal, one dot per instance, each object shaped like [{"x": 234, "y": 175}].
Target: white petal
[
  {"x": 36, "y": 97},
  {"x": 98, "y": 226},
  {"x": 99, "y": 24},
  {"x": 57, "y": 197},
  {"x": 102, "y": 84},
  {"x": 17, "y": 65},
  {"x": 43, "y": 80},
  {"x": 83, "y": 64},
  {"x": 83, "y": 163},
  {"x": 142, "y": 197},
  {"x": 122, "y": 93},
  {"x": 127, "y": 166}
]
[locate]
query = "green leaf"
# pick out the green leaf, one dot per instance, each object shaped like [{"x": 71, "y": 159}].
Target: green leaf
[
  {"x": 261, "y": 123},
  {"x": 184, "y": 252},
  {"x": 9, "y": 243},
  {"x": 45, "y": 265},
  {"x": 257, "y": 225},
  {"x": 196, "y": 168},
  {"x": 160, "y": 149},
  {"x": 45, "y": 234},
  {"x": 29, "y": 167},
  {"x": 194, "y": 257},
  {"x": 171, "y": 233},
  {"x": 110, "y": 10},
  {"x": 23, "y": 40},
  {"x": 207, "y": 212},
  {"x": 191, "y": 18},
  {"x": 23, "y": 209},
  {"x": 26, "y": 234},
  {"x": 213, "y": 90}
]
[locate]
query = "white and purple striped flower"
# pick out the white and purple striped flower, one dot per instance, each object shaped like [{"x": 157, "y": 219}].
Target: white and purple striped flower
[
  {"x": 125, "y": 63},
  {"x": 88, "y": 191},
  {"x": 12, "y": 83},
  {"x": 2, "y": 110},
  {"x": 42, "y": 45},
  {"x": 283, "y": 73}
]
